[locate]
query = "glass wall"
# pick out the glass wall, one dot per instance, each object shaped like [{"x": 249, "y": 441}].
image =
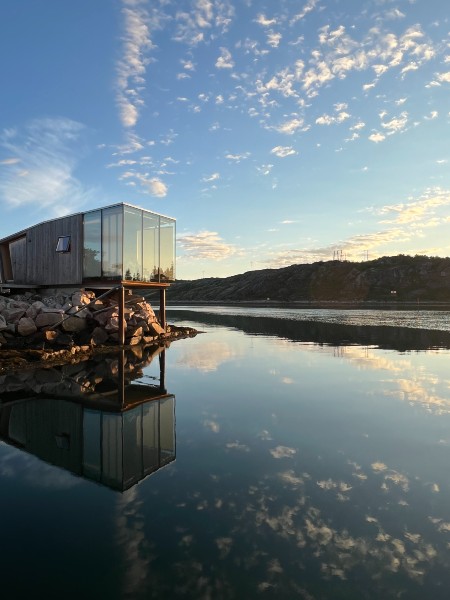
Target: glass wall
[
  {"x": 167, "y": 249},
  {"x": 151, "y": 246},
  {"x": 92, "y": 248},
  {"x": 123, "y": 242},
  {"x": 132, "y": 247},
  {"x": 112, "y": 242}
]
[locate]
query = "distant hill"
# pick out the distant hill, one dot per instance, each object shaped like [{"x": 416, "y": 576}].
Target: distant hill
[{"x": 390, "y": 278}]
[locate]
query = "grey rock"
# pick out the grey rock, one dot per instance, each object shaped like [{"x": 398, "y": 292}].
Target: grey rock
[
  {"x": 74, "y": 324},
  {"x": 12, "y": 315},
  {"x": 48, "y": 319},
  {"x": 26, "y": 326}
]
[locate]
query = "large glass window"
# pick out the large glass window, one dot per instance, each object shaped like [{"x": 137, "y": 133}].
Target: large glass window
[
  {"x": 132, "y": 244},
  {"x": 112, "y": 242},
  {"x": 151, "y": 246},
  {"x": 123, "y": 242},
  {"x": 92, "y": 249},
  {"x": 167, "y": 249}
]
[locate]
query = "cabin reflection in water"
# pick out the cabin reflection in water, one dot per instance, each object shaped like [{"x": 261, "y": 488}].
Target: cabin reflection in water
[{"x": 102, "y": 438}]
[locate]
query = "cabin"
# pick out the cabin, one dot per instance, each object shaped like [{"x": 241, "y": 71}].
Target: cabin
[{"x": 119, "y": 246}]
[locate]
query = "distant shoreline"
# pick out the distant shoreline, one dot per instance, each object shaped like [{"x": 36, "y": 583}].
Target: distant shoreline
[{"x": 370, "y": 304}]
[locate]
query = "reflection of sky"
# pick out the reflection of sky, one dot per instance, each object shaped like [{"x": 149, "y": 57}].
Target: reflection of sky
[{"x": 301, "y": 472}]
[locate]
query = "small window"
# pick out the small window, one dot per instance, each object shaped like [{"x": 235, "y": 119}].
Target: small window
[{"x": 63, "y": 244}]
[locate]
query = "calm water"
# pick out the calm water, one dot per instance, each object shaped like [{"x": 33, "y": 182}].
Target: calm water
[{"x": 288, "y": 461}]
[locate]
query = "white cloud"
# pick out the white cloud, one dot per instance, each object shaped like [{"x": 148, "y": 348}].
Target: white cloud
[
  {"x": 237, "y": 157},
  {"x": 225, "y": 60},
  {"x": 377, "y": 137},
  {"x": 156, "y": 187},
  {"x": 213, "y": 177},
  {"x": 205, "y": 245},
  {"x": 41, "y": 174},
  {"x": 264, "y": 21},
  {"x": 131, "y": 68},
  {"x": 396, "y": 124},
  {"x": 414, "y": 212},
  {"x": 273, "y": 39},
  {"x": 290, "y": 127},
  {"x": 308, "y": 7},
  {"x": 329, "y": 120},
  {"x": 444, "y": 77},
  {"x": 283, "y": 151}
]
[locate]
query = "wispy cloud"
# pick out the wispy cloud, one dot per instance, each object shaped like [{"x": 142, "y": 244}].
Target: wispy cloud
[
  {"x": 212, "y": 177},
  {"x": 10, "y": 161},
  {"x": 131, "y": 68},
  {"x": 41, "y": 171},
  {"x": 237, "y": 157}
]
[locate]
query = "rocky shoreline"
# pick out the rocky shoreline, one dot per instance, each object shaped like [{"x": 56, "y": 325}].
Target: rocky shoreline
[{"x": 62, "y": 327}]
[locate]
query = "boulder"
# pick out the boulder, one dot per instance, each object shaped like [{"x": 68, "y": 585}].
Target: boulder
[
  {"x": 79, "y": 298},
  {"x": 31, "y": 312},
  {"x": 112, "y": 324},
  {"x": 73, "y": 324},
  {"x": 156, "y": 329},
  {"x": 99, "y": 336},
  {"x": 3, "y": 324},
  {"x": 38, "y": 305},
  {"x": 48, "y": 319},
  {"x": 26, "y": 326},
  {"x": 12, "y": 315}
]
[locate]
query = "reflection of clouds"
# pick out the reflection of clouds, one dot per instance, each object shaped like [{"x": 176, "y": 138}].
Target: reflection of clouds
[
  {"x": 290, "y": 478},
  {"x": 265, "y": 435},
  {"x": 378, "y": 466},
  {"x": 329, "y": 484},
  {"x": 17, "y": 464},
  {"x": 224, "y": 545},
  {"x": 207, "y": 357},
  {"x": 283, "y": 452},
  {"x": 237, "y": 446},
  {"x": 212, "y": 425},
  {"x": 132, "y": 541},
  {"x": 412, "y": 384}
]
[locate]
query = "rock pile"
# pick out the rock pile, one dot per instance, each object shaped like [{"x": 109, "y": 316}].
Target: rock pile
[
  {"x": 85, "y": 378},
  {"x": 79, "y": 318}
]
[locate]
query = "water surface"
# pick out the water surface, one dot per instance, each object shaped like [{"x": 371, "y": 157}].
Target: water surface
[{"x": 303, "y": 469}]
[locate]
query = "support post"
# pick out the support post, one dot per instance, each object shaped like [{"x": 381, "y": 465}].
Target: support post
[
  {"x": 122, "y": 316},
  {"x": 162, "y": 372},
  {"x": 121, "y": 379},
  {"x": 162, "y": 307}
]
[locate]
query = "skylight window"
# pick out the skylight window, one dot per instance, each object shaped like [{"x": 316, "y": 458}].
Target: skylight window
[{"x": 63, "y": 244}]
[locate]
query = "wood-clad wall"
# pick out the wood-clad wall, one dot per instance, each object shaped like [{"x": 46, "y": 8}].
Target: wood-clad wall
[
  {"x": 45, "y": 266},
  {"x": 18, "y": 254}
]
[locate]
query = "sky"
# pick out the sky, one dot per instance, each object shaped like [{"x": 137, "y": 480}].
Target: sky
[{"x": 276, "y": 132}]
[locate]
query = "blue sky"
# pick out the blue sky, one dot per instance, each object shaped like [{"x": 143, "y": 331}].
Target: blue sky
[{"x": 275, "y": 132}]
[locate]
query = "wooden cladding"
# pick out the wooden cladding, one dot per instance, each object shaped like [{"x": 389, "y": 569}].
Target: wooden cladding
[{"x": 45, "y": 266}]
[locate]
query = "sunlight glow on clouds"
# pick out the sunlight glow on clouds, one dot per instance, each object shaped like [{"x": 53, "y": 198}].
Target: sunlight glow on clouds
[
  {"x": 221, "y": 83},
  {"x": 205, "y": 245}
]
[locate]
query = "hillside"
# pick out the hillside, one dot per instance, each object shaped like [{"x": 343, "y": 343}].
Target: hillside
[{"x": 392, "y": 278}]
